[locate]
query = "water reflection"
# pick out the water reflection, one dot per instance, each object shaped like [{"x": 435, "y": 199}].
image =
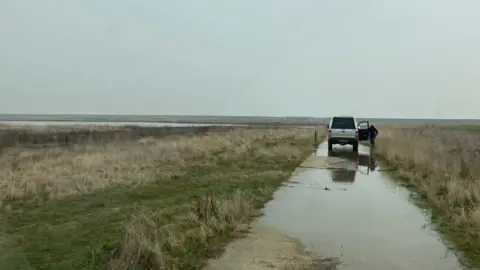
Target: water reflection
[
  {"x": 351, "y": 163},
  {"x": 343, "y": 175}
]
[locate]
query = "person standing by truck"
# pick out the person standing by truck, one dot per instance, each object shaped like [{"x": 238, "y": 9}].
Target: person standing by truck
[{"x": 372, "y": 133}]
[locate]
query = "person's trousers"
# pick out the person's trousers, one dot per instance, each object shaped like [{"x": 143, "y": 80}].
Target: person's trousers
[{"x": 372, "y": 140}]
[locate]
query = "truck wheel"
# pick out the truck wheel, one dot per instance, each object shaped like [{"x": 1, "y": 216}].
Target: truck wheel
[
  {"x": 355, "y": 147},
  {"x": 330, "y": 146}
]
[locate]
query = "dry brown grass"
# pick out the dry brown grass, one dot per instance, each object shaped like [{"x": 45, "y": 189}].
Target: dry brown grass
[
  {"x": 81, "y": 169},
  {"x": 68, "y": 135},
  {"x": 178, "y": 198},
  {"x": 443, "y": 165},
  {"x": 145, "y": 242}
]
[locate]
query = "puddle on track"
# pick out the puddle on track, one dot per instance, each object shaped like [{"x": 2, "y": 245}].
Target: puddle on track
[{"x": 355, "y": 213}]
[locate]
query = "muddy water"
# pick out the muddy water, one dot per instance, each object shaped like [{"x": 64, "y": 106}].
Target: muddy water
[{"x": 341, "y": 205}]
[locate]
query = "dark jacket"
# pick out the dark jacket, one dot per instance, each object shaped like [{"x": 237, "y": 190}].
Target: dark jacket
[{"x": 372, "y": 131}]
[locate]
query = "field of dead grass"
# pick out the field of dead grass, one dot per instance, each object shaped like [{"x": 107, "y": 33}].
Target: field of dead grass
[
  {"x": 139, "y": 203},
  {"x": 59, "y": 135},
  {"x": 442, "y": 164}
]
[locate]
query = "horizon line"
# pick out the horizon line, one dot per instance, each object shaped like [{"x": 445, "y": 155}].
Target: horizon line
[{"x": 207, "y": 115}]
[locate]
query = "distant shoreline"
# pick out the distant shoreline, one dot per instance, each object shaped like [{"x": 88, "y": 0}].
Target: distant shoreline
[
  {"x": 218, "y": 120},
  {"x": 73, "y": 122}
]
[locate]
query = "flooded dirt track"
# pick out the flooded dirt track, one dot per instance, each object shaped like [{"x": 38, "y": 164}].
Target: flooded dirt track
[{"x": 340, "y": 205}]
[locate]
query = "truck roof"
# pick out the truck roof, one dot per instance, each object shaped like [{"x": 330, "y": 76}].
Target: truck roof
[{"x": 343, "y": 116}]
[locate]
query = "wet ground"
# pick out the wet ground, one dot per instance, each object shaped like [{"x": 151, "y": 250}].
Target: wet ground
[{"x": 341, "y": 205}]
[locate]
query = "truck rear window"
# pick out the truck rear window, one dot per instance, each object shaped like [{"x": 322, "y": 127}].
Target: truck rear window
[{"x": 343, "y": 123}]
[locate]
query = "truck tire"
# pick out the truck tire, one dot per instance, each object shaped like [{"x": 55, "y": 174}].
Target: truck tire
[
  {"x": 355, "y": 147},
  {"x": 330, "y": 146}
]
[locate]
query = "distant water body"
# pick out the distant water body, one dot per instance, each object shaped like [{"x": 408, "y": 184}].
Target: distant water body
[{"x": 74, "y": 123}]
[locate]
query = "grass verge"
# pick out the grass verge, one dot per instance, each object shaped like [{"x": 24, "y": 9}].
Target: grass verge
[
  {"x": 442, "y": 166},
  {"x": 147, "y": 203}
]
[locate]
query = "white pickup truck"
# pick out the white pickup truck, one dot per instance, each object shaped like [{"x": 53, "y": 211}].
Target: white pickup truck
[{"x": 345, "y": 130}]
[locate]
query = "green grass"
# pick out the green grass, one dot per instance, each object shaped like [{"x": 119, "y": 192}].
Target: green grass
[{"x": 175, "y": 224}]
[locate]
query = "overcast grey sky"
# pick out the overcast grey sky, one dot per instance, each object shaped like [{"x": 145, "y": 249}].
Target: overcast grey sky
[{"x": 369, "y": 58}]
